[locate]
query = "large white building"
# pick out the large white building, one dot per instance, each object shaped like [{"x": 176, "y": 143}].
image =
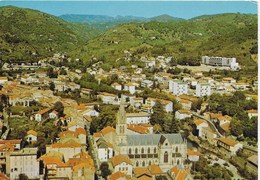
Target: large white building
[
  {"x": 165, "y": 150},
  {"x": 137, "y": 118},
  {"x": 178, "y": 87},
  {"x": 23, "y": 162},
  {"x": 221, "y": 61},
  {"x": 203, "y": 89}
]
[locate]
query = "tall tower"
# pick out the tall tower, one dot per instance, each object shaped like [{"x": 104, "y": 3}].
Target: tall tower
[{"x": 121, "y": 125}]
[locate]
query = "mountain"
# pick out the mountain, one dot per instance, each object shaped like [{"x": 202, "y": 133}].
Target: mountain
[
  {"x": 104, "y": 22},
  {"x": 230, "y": 35},
  {"x": 27, "y": 34},
  {"x": 165, "y": 18}
]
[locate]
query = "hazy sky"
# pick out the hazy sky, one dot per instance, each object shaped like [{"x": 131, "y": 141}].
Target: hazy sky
[{"x": 182, "y": 9}]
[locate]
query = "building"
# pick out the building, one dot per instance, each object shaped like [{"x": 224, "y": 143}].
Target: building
[
  {"x": 208, "y": 134},
  {"x": 31, "y": 136},
  {"x": 23, "y": 162},
  {"x": 221, "y": 61},
  {"x": 3, "y": 80},
  {"x": 182, "y": 114},
  {"x": 122, "y": 163},
  {"x": 137, "y": 118},
  {"x": 252, "y": 164},
  {"x": 178, "y": 87},
  {"x": 203, "y": 89},
  {"x": 199, "y": 123},
  {"x": 165, "y": 150},
  {"x": 104, "y": 150},
  {"x": 130, "y": 87},
  {"x": 42, "y": 114},
  {"x": 117, "y": 86},
  {"x": 252, "y": 113},
  {"x": 179, "y": 173},
  {"x": 229, "y": 145}
]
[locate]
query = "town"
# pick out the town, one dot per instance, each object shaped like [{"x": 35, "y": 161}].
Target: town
[{"x": 151, "y": 120}]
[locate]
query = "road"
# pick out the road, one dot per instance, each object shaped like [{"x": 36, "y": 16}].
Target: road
[{"x": 211, "y": 123}]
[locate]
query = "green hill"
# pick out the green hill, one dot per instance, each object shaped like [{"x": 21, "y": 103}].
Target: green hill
[
  {"x": 165, "y": 18},
  {"x": 27, "y": 34},
  {"x": 230, "y": 35}
]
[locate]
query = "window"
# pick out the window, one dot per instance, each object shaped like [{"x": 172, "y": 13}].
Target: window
[
  {"x": 154, "y": 150},
  {"x": 176, "y": 149},
  {"x": 142, "y": 150},
  {"x": 143, "y": 164},
  {"x": 137, "y": 164},
  {"x": 150, "y": 163},
  {"x": 178, "y": 162},
  {"x": 130, "y": 151},
  {"x": 136, "y": 151},
  {"x": 165, "y": 157},
  {"x": 148, "y": 151}
]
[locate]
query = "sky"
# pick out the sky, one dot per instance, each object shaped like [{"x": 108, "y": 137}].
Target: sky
[{"x": 181, "y": 9}]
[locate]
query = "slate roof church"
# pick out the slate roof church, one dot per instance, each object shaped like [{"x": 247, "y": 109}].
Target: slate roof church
[{"x": 165, "y": 150}]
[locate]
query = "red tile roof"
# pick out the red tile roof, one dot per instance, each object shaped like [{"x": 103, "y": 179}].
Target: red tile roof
[
  {"x": 119, "y": 175},
  {"x": 116, "y": 160}
]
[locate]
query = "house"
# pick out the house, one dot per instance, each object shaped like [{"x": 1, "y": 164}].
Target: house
[
  {"x": 168, "y": 105},
  {"x": 121, "y": 163},
  {"x": 203, "y": 89},
  {"x": 193, "y": 155},
  {"x": 252, "y": 113},
  {"x": 16, "y": 143},
  {"x": 199, "y": 123},
  {"x": 119, "y": 176},
  {"x": 142, "y": 173},
  {"x": 42, "y": 114},
  {"x": 41, "y": 74},
  {"x": 138, "y": 118},
  {"x": 228, "y": 144},
  {"x": 182, "y": 114},
  {"x": 228, "y": 80},
  {"x": 104, "y": 150},
  {"x": 53, "y": 115},
  {"x": 137, "y": 129},
  {"x": 179, "y": 173},
  {"x": 3, "y": 80},
  {"x": 208, "y": 134},
  {"x": 178, "y": 87},
  {"x": 108, "y": 98},
  {"x": 186, "y": 104},
  {"x": 252, "y": 164},
  {"x": 147, "y": 83},
  {"x": 109, "y": 134},
  {"x": 136, "y": 102},
  {"x": 130, "y": 87},
  {"x": 68, "y": 149},
  {"x": 31, "y": 136},
  {"x": 117, "y": 86},
  {"x": 241, "y": 86},
  {"x": 23, "y": 162}
]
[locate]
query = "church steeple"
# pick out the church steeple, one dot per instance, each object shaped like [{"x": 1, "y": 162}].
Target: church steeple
[{"x": 121, "y": 125}]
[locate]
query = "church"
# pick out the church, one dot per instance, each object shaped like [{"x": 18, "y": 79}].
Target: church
[{"x": 165, "y": 150}]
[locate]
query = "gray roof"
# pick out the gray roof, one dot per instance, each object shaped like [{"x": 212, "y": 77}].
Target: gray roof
[{"x": 153, "y": 139}]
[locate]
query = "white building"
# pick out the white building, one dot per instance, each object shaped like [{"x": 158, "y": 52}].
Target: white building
[
  {"x": 203, "y": 89},
  {"x": 122, "y": 163},
  {"x": 221, "y": 61},
  {"x": 3, "y": 80},
  {"x": 130, "y": 87},
  {"x": 178, "y": 87},
  {"x": 182, "y": 114},
  {"x": 104, "y": 150},
  {"x": 117, "y": 86},
  {"x": 137, "y": 118},
  {"x": 23, "y": 162}
]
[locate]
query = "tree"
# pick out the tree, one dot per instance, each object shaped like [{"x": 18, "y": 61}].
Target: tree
[
  {"x": 52, "y": 86},
  {"x": 58, "y": 106},
  {"x": 51, "y": 73},
  {"x": 104, "y": 168},
  {"x": 63, "y": 72},
  {"x": 236, "y": 127},
  {"x": 158, "y": 114}
]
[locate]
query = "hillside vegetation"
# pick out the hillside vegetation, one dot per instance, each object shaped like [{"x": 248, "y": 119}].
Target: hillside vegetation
[
  {"x": 29, "y": 35},
  {"x": 229, "y": 35}
]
